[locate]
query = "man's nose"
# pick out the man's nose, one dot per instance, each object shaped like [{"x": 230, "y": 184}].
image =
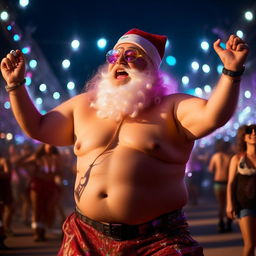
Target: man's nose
[{"x": 121, "y": 59}]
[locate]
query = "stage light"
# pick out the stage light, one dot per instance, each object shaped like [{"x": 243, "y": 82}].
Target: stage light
[
  {"x": 170, "y": 60},
  {"x": 66, "y": 64},
  {"x": 19, "y": 138},
  {"x": 9, "y": 27},
  {"x": 42, "y": 87},
  {"x": 207, "y": 88},
  {"x": 26, "y": 50},
  {"x": 198, "y": 91},
  {"x": 195, "y": 65},
  {"x": 233, "y": 134},
  {"x": 247, "y": 94},
  {"x": 240, "y": 33},
  {"x": 247, "y": 109},
  {"x": 185, "y": 80},
  {"x": 75, "y": 44},
  {"x": 205, "y": 45},
  {"x": 24, "y": 3},
  {"x": 236, "y": 125},
  {"x": 7, "y": 105},
  {"x": 33, "y": 64},
  {"x": 248, "y": 15},
  {"x": 39, "y": 101},
  {"x": 4, "y": 16},
  {"x": 226, "y": 138},
  {"x": 70, "y": 85},
  {"x": 219, "y": 136},
  {"x": 16, "y": 37},
  {"x": 102, "y": 43},
  {"x": 56, "y": 95},
  {"x": 206, "y": 68},
  {"x": 9, "y": 136}
]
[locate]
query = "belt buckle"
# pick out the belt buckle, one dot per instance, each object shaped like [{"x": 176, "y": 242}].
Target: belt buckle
[
  {"x": 106, "y": 229},
  {"x": 116, "y": 231}
]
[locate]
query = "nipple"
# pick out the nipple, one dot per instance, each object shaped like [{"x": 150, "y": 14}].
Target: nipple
[{"x": 78, "y": 145}]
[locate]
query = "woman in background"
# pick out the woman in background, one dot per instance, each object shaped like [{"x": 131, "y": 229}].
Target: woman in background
[
  {"x": 241, "y": 190},
  {"x": 43, "y": 189}
]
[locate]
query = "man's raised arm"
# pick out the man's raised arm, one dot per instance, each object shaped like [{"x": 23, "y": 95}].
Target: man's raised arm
[
  {"x": 199, "y": 117},
  {"x": 55, "y": 127}
]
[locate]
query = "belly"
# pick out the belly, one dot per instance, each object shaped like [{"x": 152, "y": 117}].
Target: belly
[{"x": 129, "y": 186}]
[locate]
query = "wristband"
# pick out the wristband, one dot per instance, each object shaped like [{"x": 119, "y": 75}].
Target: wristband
[
  {"x": 233, "y": 73},
  {"x": 9, "y": 88}
]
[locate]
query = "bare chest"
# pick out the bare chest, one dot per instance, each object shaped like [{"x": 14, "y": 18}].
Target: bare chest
[{"x": 155, "y": 134}]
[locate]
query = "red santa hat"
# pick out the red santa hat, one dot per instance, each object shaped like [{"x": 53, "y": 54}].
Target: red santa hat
[{"x": 153, "y": 45}]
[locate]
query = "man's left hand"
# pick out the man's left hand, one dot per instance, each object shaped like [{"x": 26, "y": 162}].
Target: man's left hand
[{"x": 235, "y": 54}]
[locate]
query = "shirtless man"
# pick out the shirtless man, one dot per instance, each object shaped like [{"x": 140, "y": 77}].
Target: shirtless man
[
  {"x": 132, "y": 142},
  {"x": 219, "y": 165}
]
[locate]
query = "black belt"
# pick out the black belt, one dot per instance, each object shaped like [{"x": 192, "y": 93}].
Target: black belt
[{"x": 125, "y": 232}]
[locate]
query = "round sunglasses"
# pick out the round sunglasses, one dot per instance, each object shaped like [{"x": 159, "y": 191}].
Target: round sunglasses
[
  {"x": 129, "y": 55},
  {"x": 249, "y": 129}
]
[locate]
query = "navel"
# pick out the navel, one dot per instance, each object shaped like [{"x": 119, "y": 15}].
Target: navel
[{"x": 103, "y": 195}]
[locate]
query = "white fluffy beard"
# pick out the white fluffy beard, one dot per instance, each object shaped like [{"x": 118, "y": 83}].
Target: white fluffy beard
[{"x": 116, "y": 102}]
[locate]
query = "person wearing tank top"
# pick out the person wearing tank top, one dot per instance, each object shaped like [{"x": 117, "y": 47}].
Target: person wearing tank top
[{"x": 241, "y": 190}]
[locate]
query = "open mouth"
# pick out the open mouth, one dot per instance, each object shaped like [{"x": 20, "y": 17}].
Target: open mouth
[{"x": 121, "y": 74}]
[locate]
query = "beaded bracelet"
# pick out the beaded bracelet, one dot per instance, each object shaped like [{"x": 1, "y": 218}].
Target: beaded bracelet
[{"x": 9, "y": 88}]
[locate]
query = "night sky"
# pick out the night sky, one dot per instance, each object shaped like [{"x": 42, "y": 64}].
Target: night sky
[{"x": 186, "y": 23}]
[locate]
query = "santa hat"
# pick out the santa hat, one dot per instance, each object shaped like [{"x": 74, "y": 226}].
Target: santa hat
[{"x": 152, "y": 44}]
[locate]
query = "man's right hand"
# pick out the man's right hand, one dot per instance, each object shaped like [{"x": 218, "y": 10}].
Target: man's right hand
[{"x": 13, "y": 68}]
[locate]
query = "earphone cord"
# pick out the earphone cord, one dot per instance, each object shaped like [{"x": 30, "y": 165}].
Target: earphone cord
[
  {"x": 84, "y": 180},
  {"x": 111, "y": 140}
]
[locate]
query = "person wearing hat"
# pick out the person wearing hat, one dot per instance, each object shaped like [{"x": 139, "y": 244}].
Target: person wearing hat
[{"x": 132, "y": 139}]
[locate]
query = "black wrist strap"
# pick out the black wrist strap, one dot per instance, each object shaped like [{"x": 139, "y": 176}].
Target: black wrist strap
[{"x": 233, "y": 73}]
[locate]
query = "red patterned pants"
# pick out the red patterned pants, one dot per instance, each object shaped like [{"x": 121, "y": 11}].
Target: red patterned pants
[{"x": 80, "y": 239}]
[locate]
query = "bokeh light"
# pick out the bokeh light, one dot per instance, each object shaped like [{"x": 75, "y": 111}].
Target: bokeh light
[
  {"x": 75, "y": 44},
  {"x": 4, "y": 16},
  {"x": 102, "y": 43},
  {"x": 248, "y": 15}
]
